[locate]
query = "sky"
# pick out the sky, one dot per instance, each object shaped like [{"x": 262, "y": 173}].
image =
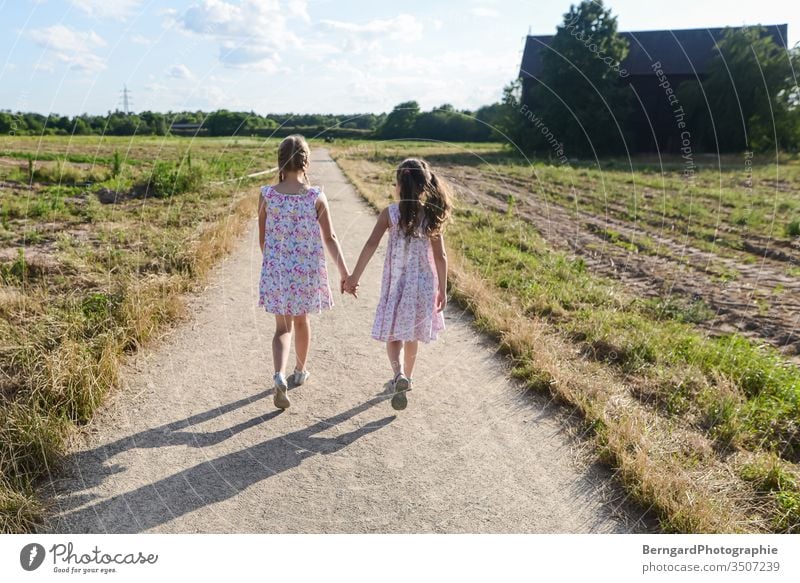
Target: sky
[{"x": 302, "y": 56}]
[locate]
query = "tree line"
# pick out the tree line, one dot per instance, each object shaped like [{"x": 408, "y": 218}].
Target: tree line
[
  {"x": 216, "y": 123},
  {"x": 406, "y": 120},
  {"x": 580, "y": 104}
]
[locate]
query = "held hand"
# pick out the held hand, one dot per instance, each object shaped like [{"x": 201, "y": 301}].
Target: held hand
[
  {"x": 346, "y": 288},
  {"x": 441, "y": 300},
  {"x": 350, "y": 285}
]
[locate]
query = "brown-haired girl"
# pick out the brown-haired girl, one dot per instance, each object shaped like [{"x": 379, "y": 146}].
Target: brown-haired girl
[
  {"x": 414, "y": 285},
  {"x": 294, "y": 224}
]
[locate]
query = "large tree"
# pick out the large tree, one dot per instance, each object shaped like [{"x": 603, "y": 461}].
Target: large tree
[
  {"x": 225, "y": 123},
  {"x": 400, "y": 122},
  {"x": 6, "y": 122},
  {"x": 749, "y": 98},
  {"x": 579, "y": 97},
  {"x": 445, "y": 123}
]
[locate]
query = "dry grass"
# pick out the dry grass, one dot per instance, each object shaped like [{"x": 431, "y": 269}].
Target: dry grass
[
  {"x": 644, "y": 451},
  {"x": 665, "y": 463},
  {"x": 73, "y": 306}
]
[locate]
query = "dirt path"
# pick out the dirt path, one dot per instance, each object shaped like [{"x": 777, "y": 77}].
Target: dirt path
[{"x": 193, "y": 443}]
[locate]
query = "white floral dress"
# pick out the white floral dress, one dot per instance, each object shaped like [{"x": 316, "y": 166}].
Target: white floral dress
[
  {"x": 294, "y": 276},
  {"x": 407, "y": 306}
]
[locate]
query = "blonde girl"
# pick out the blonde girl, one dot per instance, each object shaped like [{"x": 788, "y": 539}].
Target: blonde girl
[{"x": 294, "y": 228}]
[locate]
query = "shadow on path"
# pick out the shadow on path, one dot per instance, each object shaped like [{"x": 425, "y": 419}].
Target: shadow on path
[{"x": 211, "y": 481}]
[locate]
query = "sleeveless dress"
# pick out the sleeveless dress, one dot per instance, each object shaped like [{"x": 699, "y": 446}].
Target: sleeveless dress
[
  {"x": 407, "y": 306},
  {"x": 294, "y": 276}
]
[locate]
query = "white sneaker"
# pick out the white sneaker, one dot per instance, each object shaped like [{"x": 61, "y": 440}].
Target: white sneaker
[
  {"x": 401, "y": 386},
  {"x": 299, "y": 377},
  {"x": 281, "y": 399}
]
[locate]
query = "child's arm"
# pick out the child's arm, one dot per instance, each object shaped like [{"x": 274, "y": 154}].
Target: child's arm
[
  {"x": 368, "y": 251},
  {"x": 262, "y": 221},
  {"x": 440, "y": 258},
  {"x": 330, "y": 239}
]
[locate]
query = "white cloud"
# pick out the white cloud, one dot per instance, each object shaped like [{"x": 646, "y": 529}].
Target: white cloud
[
  {"x": 249, "y": 33},
  {"x": 113, "y": 9},
  {"x": 299, "y": 9},
  {"x": 179, "y": 71},
  {"x": 401, "y": 27},
  {"x": 63, "y": 38},
  {"x": 362, "y": 83},
  {"x": 88, "y": 62},
  {"x": 484, "y": 12},
  {"x": 45, "y": 67},
  {"x": 252, "y": 57},
  {"x": 155, "y": 87},
  {"x": 386, "y": 79},
  {"x": 140, "y": 39},
  {"x": 367, "y": 64},
  {"x": 357, "y": 38},
  {"x": 71, "y": 46},
  {"x": 320, "y": 51},
  {"x": 216, "y": 97},
  {"x": 467, "y": 61},
  {"x": 170, "y": 18}
]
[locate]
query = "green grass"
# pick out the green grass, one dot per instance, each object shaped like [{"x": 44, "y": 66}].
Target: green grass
[
  {"x": 628, "y": 334},
  {"x": 739, "y": 396},
  {"x": 773, "y": 478},
  {"x": 107, "y": 158},
  {"x": 84, "y": 283},
  {"x": 715, "y": 208}
]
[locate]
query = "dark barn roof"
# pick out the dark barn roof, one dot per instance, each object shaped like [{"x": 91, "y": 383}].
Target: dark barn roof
[{"x": 681, "y": 52}]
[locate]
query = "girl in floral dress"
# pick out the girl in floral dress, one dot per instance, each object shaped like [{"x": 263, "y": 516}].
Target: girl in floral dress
[
  {"x": 414, "y": 285},
  {"x": 294, "y": 227}
]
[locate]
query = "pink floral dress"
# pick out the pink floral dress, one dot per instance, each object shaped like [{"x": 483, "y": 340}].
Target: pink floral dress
[
  {"x": 407, "y": 307},
  {"x": 294, "y": 276}
]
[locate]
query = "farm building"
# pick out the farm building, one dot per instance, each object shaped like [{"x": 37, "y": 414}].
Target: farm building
[{"x": 683, "y": 55}]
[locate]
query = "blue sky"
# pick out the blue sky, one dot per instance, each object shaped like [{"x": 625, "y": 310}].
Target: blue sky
[{"x": 73, "y": 56}]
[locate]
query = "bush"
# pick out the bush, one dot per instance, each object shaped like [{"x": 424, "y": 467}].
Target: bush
[
  {"x": 167, "y": 179},
  {"x": 116, "y": 165}
]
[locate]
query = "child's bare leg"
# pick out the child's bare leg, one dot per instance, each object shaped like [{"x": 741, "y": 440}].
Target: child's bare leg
[
  {"x": 393, "y": 350},
  {"x": 302, "y": 340},
  {"x": 409, "y": 357},
  {"x": 281, "y": 342}
]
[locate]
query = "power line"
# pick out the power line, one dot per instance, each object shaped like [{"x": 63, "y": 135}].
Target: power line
[{"x": 127, "y": 102}]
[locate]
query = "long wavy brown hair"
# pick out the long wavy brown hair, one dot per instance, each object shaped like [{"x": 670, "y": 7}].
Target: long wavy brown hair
[{"x": 425, "y": 199}]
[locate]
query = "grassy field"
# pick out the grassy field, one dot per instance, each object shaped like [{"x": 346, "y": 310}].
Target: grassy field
[
  {"x": 662, "y": 311},
  {"x": 99, "y": 239},
  {"x": 642, "y": 223},
  {"x": 700, "y": 422}
]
